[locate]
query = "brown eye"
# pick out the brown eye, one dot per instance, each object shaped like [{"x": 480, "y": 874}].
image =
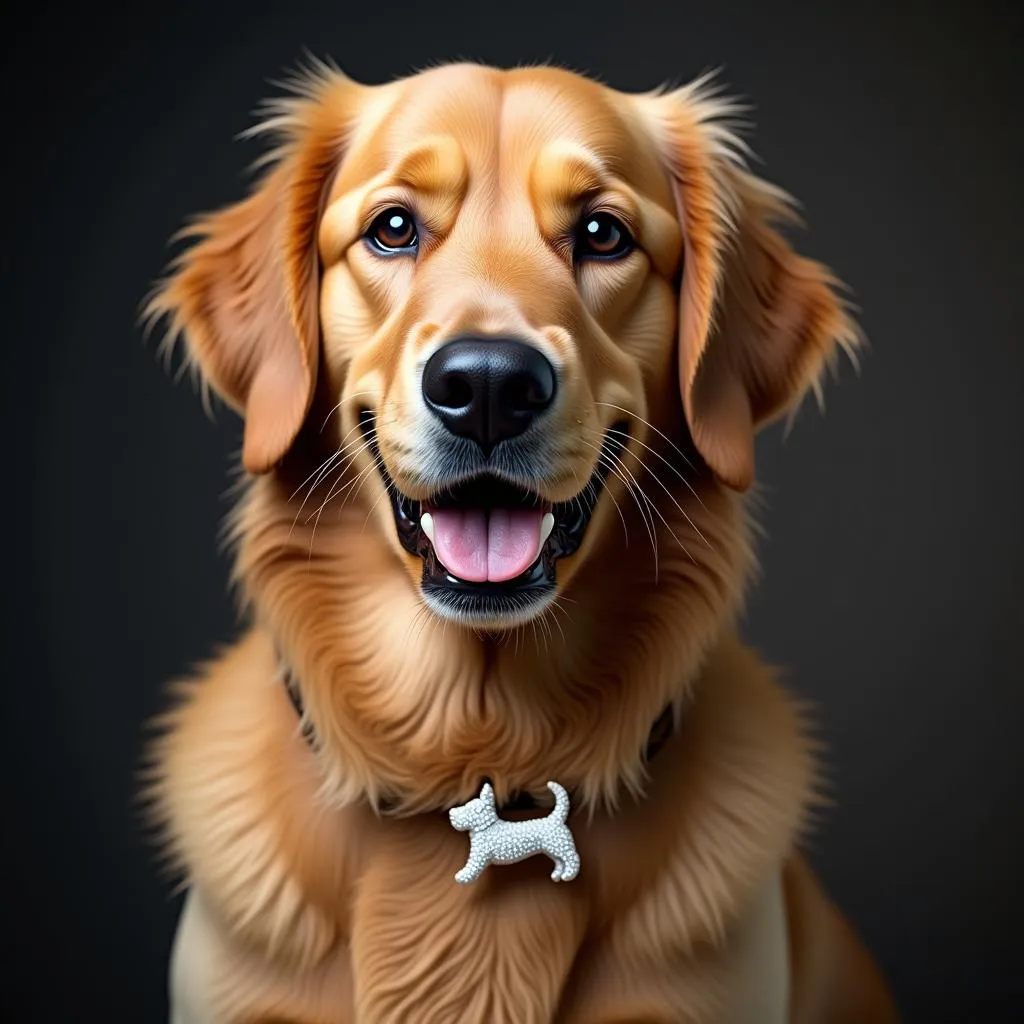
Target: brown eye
[
  {"x": 602, "y": 236},
  {"x": 393, "y": 231}
]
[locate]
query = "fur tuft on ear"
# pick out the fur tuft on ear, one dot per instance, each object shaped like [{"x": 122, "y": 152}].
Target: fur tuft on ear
[
  {"x": 245, "y": 296},
  {"x": 758, "y": 323}
]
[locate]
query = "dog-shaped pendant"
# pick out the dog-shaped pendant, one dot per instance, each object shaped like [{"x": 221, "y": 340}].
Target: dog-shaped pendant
[{"x": 494, "y": 841}]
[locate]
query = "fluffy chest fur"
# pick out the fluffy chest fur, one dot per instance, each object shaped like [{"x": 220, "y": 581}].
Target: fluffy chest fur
[{"x": 307, "y": 912}]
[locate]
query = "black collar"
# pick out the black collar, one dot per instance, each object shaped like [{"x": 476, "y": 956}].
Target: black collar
[{"x": 656, "y": 739}]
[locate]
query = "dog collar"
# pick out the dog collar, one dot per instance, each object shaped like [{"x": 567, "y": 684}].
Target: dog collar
[{"x": 659, "y": 735}]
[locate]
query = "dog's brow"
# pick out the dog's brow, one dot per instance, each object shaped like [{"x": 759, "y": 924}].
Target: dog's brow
[
  {"x": 563, "y": 174},
  {"x": 436, "y": 164}
]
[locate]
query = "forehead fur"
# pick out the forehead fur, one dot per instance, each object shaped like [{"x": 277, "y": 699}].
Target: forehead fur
[{"x": 502, "y": 120}]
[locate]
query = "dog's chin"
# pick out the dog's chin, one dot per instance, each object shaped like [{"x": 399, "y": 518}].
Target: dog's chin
[
  {"x": 487, "y": 612},
  {"x": 489, "y": 545}
]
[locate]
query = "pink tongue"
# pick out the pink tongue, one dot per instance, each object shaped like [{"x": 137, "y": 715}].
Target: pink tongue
[{"x": 477, "y": 547}]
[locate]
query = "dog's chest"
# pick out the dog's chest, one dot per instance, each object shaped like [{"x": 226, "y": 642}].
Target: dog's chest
[{"x": 425, "y": 948}]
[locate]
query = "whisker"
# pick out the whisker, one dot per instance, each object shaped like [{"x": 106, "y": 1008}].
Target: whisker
[
  {"x": 362, "y": 474},
  {"x": 382, "y": 494},
  {"x": 546, "y": 621},
  {"x": 365, "y": 447},
  {"x": 324, "y": 470},
  {"x": 654, "y": 508},
  {"x": 578, "y": 501},
  {"x": 555, "y": 607},
  {"x": 671, "y": 497},
  {"x": 323, "y": 467},
  {"x": 354, "y": 448},
  {"x": 651, "y": 426},
  {"x": 421, "y": 618},
  {"x": 592, "y": 491},
  {"x": 360, "y": 477},
  {"x": 632, "y": 489},
  {"x": 652, "y": 528},
  {"x": 604, "y": 459},
  {"x": 334, "y": 461},
  {"x": 344, "y": 399},
  {"x": 615, "y": 465},
  {"x": 675, "y": 469}
]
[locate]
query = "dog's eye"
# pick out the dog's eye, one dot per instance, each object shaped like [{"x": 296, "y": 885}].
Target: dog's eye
[
  {"x": 393, "y": 231},
  {"x": 602, "y": 236}
]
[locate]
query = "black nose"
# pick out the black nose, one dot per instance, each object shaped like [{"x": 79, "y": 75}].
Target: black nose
[{"x": 488, "y": 389}]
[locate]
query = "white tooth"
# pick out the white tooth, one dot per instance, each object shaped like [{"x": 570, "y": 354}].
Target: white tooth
[
  {"x": 547, "y": 524},
  {"x": 427, "y": 526}
]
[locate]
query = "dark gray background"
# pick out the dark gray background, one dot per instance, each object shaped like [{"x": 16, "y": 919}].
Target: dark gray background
[{"x": 893, "y": 561}]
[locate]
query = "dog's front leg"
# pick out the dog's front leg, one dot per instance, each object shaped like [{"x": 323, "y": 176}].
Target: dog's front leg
[
  {"x": 474, "y": 866},
  {"x": 466, "y": 875}
]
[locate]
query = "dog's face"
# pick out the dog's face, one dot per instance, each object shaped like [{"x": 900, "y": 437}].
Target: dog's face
[
  {"x": 476, "y": 815},
  {"x": 509, "y": 244},
  {"x": 507, "y": 288}
]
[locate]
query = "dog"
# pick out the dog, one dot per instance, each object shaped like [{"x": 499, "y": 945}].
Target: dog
[
  {"x": 493, "y": 841},
  {"x": 501, "y": 342}
]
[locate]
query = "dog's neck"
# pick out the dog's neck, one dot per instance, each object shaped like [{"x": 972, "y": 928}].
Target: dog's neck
[
  {"x": 660, "y": 732},
  {"x": 411, "y": 713}
]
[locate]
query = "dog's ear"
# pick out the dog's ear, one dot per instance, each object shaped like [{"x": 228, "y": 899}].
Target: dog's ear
[
  {"x": 758, "y": 323},
  {"x": 487, "y": 794},
  {"x": 245, "y": 296}
]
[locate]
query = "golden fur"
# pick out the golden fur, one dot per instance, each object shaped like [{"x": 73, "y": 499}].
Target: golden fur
[{"x": 328, "y": 872}]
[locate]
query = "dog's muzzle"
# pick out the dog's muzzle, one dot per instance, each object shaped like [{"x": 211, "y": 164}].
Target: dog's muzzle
[{"x": 489, "y": 544}]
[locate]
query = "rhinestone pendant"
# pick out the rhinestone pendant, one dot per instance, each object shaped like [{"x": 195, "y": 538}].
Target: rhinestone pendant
[{"x": 494, "y": 841}]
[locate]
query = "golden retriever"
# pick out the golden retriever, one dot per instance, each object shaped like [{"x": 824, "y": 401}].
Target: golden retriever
[{"x": 501, "y": 341}]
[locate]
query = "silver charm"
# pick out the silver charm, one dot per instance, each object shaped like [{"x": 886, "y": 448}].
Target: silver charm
[{"x": 494, "y": 841}]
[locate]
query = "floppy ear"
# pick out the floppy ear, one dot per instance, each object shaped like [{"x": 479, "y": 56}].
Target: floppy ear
[
  {"x": 758, "y": 322},
  {"x": 245, "y": 296}
]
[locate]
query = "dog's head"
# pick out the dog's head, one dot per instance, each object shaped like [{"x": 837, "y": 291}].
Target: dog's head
[
  {"x": 492, "y": 300},
  {"x": 478, "y": 814}
]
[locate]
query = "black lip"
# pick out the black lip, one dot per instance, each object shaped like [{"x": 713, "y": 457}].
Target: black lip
[{"x": 509, "y": 597}]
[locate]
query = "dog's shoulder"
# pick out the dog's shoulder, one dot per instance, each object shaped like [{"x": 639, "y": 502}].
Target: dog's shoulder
[{"x": 234, "y": 790}]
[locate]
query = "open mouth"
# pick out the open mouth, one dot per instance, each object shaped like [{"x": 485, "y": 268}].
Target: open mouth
[{"x": 490, "y": 545}]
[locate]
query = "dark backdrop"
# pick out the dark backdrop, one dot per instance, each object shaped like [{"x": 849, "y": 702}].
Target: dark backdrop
[{"x": 894, "y": 549}]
